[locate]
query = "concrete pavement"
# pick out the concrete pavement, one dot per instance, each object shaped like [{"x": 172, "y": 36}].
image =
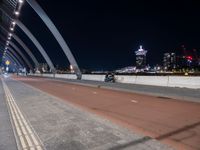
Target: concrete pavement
[
  {"x": 61, "y": 125},
  {"x": 7, "y": 138}
]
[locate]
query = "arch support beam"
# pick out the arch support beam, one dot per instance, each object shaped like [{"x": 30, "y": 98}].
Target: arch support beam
[
  {"x": 32, "y": 38},
  {"x": 19, "y": 51},
  {"x": 28, "y": 51},
  {"x": 14, "y": 59},
  {"x": 56, "y": 34},
  {"x": 13, "y": 53},
  {"x": 37, "y": 44},
  {"x": 11, "y": 60},
  {"x": 22, "y": 55}
]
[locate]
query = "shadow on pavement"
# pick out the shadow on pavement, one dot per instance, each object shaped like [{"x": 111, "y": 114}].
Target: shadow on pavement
[
  {"x": 161, "y": 137},
  {"x": 185, "y": 128},
  {"x": 132, "y": 143}
]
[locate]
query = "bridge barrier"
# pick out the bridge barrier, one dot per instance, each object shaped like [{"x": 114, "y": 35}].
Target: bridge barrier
[
  {"x": 145, "y": 80},
  {"x": 93, "y": 77},
  {"x": 125, "y": 79},
  {"x": 152, "y": 80},
  {"x": 48, "y": 75},
  {"x": 184, "y": 81},
  {"x": 66, "y": 76},
  {"x": 167, "y": 81}
]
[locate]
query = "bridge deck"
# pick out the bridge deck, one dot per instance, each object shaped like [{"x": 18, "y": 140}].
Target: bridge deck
[
  {"x": 61, "y": 125},
  {"x": 171, "y": 121}
]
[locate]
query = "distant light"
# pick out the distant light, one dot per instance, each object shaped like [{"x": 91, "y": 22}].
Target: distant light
[
  {"x": 140, "y": 49},
  {"x": 16, "y": 12},
  {"x": 10, "y": 34},
  {"x": 189, "y": 58},
  {"x": 71, "y": 67},
  {"x": 13, "y": 22},
  {"x": 9, "y": 37},
  {"x": 20, "y": 1},
  {"x": 12, "y": 29}
]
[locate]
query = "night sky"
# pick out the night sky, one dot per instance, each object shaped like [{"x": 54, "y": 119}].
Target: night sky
[{"x": 103, "y": 34}]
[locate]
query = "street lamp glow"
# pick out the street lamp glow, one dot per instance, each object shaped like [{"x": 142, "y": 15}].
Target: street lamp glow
[
  {"x": 16, "y": 12},
  {"x": 9, "y": 38},
  {"x": 12, "y": 29},
  {"x": 20, "y": 1},
  {"x": 71, "y": 67},
  {"x": 13, "y": 22},
  {"x": 10, "y": 34}
]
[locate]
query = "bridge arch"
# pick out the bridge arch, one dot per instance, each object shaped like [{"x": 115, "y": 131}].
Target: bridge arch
[{"x": 56, "y": 34}]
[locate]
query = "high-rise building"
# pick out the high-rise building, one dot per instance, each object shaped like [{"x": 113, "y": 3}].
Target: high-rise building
[
  {"x": 169, "y": 61},
  {"x": 140, "y": 58}
]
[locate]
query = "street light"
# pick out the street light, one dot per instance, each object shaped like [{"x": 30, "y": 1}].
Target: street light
[
  {"x": 20, "y": 1},
  {"x": 17, "y": 13},
  {"x": 71, "y": 69}
]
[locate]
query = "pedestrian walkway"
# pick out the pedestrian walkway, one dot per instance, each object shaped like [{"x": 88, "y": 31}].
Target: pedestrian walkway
[
  {"x": 7, "y": 139},
  {"x": 61, "y": 125}
]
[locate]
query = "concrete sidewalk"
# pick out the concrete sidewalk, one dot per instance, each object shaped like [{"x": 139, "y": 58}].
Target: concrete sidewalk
[
  {"x": 60, "y": 125},
  {"x": 7, "y": 138}
]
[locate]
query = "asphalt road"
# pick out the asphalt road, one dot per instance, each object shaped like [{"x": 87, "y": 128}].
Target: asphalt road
[{"x": 171, "y": 121}]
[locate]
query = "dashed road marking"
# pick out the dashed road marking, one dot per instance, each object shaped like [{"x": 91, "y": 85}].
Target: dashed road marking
[
  {"x": 28, "y": 140},
  {"x": 94, "y": 92},
  {"x": 134, "y": 101}
]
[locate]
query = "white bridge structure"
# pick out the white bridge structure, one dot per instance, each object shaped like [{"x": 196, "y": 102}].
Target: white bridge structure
[{"x": 10, "y": 10}]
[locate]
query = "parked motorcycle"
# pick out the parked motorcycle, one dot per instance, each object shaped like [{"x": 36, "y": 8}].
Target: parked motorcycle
[{"x": 110, "y": 77}]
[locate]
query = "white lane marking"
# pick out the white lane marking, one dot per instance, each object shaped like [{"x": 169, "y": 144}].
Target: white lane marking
[
  {"x": 94, "y": 92},
  {"x": 25, "y": 135},
  {"x": 73, "y": 88},
  {"x": 134, "y": 101}
]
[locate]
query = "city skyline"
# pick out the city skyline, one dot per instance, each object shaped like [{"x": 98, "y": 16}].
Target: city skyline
[{"x": 104, "y": 35}]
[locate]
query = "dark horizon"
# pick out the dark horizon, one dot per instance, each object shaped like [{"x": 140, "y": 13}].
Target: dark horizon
[{"x": 104, "y": 35}]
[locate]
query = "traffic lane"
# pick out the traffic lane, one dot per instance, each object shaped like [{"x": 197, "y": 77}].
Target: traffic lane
[{"x": 162, "y": 118}]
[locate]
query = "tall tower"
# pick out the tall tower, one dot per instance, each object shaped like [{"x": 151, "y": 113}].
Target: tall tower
[{"x": 140, "y": 58}]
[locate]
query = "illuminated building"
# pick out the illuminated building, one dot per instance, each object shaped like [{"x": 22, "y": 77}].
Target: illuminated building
[
  {"x": 169, "y": 61},
  {"x": 140, "y": 58}
]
